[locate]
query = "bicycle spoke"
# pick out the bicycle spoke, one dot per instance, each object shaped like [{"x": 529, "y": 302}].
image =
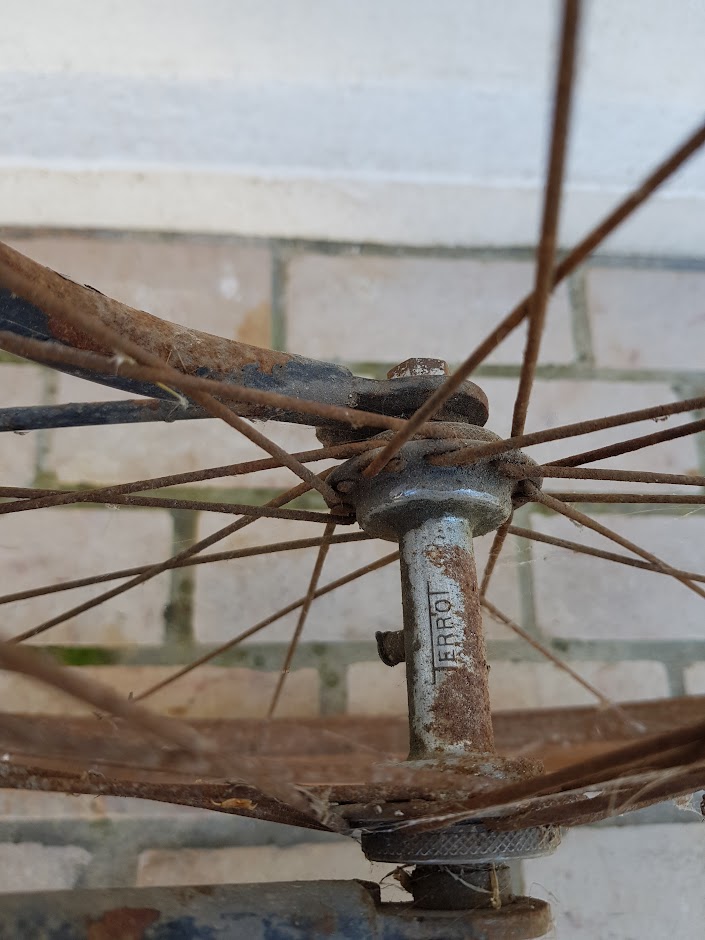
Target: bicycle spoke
[
  {"x": 634, "y": 443},
  {"x": 157, "y": 502},
  {"x": 598, "y": 552},
  {"x": 41, "y": 667},
  {"x": 586, "y": 473},
  {"x": 565, "y": 267},
  {"x": 114, "y": 340},
  {"x": 270, "y": 549},
  {"x": 226, "y": 647},
  {"x": 219, "y": 410},
  {"x": 546, "y": 251},
  {"x": 571, "y": 513},
  {"x": 672, "y": 499},
  {"x": 66, "y": 498},
  {"x": 158, "y": 569},
  {"x": 583, "y": 773},
  {"x": 495, "y": 551},
  {"x": 303, "y": 614},
  {"x": 46, "y": 352},
  {"x": 556, "y": 660},
  {"x": 37, "y": 665},
  {"x": 473, "y": 453},
  {"x": 609, "y": 771}
]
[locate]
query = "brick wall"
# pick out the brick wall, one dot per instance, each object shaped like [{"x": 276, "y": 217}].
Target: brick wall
[{"x": 621, "y": 334}]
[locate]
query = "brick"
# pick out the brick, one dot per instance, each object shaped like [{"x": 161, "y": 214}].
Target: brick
[
  {"x": 208, "y": 692},
  {"x": 52, "y": 545},
  {"x": 372, "y": 309},
  {"x": 261, "y": 864},
  {"x": 22, "y": 805},
  {"x": 230, "y": 597},
  {"x": 29, "y": 866},
  {"x": 376, "y": 689},
  {"x": 119, "y": 453},
  {"x": 538, "y": 685},
  {"x": 504, "y": 585},
  {"x": 219, "y": 286},
  {"x": 558, "y": 402},
  {"x": 624, "y": 883},
  {"x": 31, "y": 804},
  {"x": 695, "y": 679},
  {"x": 647, "y": 319},
  {"x": 589, "y": 598},
  {"x": 21, "y": 386}
]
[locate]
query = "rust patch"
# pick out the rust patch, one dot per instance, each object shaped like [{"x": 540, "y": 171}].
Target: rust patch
[
  {"x": 461, "y": 707},
  {"x": 65, "y": 332},
  {"x": 189, "y": 351},
  {"x": 235, "y": 803},
  {"x": 123, "y": 923}
]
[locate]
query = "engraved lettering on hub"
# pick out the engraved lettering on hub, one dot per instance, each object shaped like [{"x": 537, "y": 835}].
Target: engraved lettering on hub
[{"x": 445, "y": 630}]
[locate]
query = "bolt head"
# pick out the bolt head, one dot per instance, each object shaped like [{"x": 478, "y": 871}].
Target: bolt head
[{"x": 411, "y": 367}]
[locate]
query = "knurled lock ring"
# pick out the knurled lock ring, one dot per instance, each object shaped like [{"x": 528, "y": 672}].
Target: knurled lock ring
[{"x": 463, "y": 844}]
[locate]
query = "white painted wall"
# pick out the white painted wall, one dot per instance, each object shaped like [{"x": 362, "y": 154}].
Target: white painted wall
[{"x": 413, "y": 121}]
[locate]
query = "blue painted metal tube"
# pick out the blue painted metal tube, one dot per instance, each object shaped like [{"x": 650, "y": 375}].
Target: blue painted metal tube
[
  {"x": 86, "y": 414},
  {"x": 305, "y": 910}
]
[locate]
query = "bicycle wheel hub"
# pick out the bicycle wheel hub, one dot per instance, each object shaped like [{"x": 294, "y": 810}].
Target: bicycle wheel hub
[{"x": 434, "y": 511}]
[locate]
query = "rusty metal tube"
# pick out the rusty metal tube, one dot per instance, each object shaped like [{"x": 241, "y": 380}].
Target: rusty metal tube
[{"x": 446, "y": 663}]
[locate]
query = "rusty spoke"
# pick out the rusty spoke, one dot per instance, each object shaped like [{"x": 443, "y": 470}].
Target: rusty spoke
[
  {"x": 471, "y": 454},
  {"x": 598, "y": 552},
  {"x": 154, "y": 570},
  {"x": 598, "y": 768},
  {"x": 68, "y": 497},
  {"x": 295, "y": 605},
  {"x": 634, "y": 443},
  {"x": 204, "y": 757},
  {"x": 206, "y": 559},
  {"x": 572, "y": 513},
  {"x": 303, "y": 614},
  {"x": 115, "y": 341},
  {"x": 159, "y": 502},
  {"x": 548, "y": 654},
  {"x": 565, "y": 267},
  {"x": 671, "y": 499},
  {"x": 498, "y": 541},
  {"x": 37, "y": 665},
  {"x": 55, "y": 353},
  {"x": 587, "y": 473},
  {"x": 545, "y": 800},
  {"x": 546, "y": 251},
  {"x": 219, "y": 410}
]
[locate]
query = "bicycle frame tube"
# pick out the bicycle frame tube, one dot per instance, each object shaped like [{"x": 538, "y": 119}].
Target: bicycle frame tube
[{"x": 32, "y": 297}]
